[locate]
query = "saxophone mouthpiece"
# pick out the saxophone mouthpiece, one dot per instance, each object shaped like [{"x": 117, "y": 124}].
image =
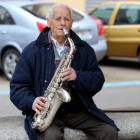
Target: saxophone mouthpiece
[{"x": 66, "y": 33}]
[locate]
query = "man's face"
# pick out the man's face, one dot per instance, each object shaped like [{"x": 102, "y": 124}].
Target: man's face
[{"x": 61, "y": 17}]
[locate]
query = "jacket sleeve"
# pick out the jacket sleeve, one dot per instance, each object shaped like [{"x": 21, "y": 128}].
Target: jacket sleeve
[
  {"x": 90, "y": 80},
  {"x": 21, "y": 85}
]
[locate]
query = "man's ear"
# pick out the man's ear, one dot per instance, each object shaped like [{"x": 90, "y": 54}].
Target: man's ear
[{"x": 48, "y": 22}]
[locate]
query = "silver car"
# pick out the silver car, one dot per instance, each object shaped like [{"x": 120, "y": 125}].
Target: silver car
[{"x": 21, "y": 23}]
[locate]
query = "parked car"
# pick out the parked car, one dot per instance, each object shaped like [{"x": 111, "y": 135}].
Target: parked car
[
  {"x": 21, "y": 23},
  {"x": 121, "y": 21}
]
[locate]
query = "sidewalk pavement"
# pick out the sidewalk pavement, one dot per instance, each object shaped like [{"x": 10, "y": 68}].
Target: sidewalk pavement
[{"x": 109, "y": 98}]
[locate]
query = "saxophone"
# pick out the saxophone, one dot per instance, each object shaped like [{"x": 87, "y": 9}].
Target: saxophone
[{"x": 55, "y": 94}]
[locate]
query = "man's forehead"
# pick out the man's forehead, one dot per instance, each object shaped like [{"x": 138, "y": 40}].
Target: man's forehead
[{"x": 61, "y": 9}]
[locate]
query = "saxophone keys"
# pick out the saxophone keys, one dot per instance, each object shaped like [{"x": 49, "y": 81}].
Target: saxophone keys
[
  {"x": 38, "y": 119},
  {"x": 43, "y": 114},
  {"x": 51, "y": 95},
  {"x": 49, "y": 99},
  {"x": 62, "y": 69},
  {"x": 58, "y": 80},
  {"x": 56, "y": 85},
  {"x": 53, "y": 90}
]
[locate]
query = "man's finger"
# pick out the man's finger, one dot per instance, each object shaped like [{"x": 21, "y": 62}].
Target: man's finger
[
  {"x": 65, "y": 74},
  {"x": 37, "y": 111},
  {"x": 67, "y": 69},
  {"x": 42, "y": 98},
  {"x": 66, "y": 78},
  {"x": 40, "y": 107},
  {"x": 40, "y": 103}
]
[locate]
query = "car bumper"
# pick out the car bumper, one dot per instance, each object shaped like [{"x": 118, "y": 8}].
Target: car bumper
[{"x": 100, "y": 49}]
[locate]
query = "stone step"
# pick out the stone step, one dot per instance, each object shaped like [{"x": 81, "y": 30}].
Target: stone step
[{"x": 12, "y": 128}]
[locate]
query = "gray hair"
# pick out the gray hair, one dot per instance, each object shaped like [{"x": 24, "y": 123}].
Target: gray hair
[{"x": 51, "y": 12}]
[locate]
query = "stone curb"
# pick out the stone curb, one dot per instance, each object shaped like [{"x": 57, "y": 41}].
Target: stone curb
[{"x": 12, "y": 128}]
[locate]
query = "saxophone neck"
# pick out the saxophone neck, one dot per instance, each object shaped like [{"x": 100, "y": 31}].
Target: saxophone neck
[
  {"x": 71, "y": 44},
  {"x": 67, "y": 35}
]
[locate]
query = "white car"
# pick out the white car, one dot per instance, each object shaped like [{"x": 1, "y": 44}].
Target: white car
[{"x": 21, "y": 23}]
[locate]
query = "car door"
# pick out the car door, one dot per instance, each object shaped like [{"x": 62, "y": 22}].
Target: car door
[
  {"x": 2, "y": 29},
  {"x": 124, "y": 33},
  {"x": 5, "y": 23},
  {"x": 105, "y": 12}
]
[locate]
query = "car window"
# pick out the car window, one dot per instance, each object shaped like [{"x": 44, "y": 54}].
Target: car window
[
  {"x": 5, "y": 17},
  {"x": 40, "y": 10},
  {"x": 104, "y": 13},
  {"x": 77, "y": 16},
  {"x": 128, "y": 14}
]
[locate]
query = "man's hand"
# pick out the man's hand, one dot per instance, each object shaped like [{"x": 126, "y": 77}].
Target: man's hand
[
  {"x": 68, "y": 74},
  {"x": 39, "y": 104}
]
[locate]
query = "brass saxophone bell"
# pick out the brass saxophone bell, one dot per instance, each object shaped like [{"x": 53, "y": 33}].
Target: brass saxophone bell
[{"x": 63, "y": 95}]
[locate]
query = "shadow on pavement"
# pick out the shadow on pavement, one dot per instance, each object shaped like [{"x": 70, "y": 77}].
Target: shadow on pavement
[
  {"x": 1, "y": 73},
  {"x": 121, "y": 62}
]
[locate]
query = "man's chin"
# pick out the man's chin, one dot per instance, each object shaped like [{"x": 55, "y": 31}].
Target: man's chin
[{"x": 61, "y": 34}]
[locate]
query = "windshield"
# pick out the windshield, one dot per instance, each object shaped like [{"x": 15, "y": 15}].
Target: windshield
[{"x": 40, "y": 10}]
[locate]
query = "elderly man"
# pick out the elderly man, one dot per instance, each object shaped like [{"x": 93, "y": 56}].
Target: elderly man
[{"x": 84, "y": 79}]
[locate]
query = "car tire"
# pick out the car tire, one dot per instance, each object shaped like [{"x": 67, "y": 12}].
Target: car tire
[
  {"x": 9, "y": 61},
  {"x": 105, "y": 59},
  {"x": 139, "y": 56}
]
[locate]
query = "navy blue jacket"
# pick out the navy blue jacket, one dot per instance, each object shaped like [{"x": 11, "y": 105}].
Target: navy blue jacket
[{"x": 36, "y": 65}]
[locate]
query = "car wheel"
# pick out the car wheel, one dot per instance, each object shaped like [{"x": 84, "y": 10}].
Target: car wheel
[{"x": 9, "y": 61}]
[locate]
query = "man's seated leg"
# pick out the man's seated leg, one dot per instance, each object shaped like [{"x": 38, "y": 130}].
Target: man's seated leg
[
  {"x": 55, "y": 131},
  {"x": 93, "y": 127},
  {"x": 102, "y": 132}
]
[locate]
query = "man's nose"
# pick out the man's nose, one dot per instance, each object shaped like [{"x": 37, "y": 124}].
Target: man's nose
[{"x": 63, "y": 22}]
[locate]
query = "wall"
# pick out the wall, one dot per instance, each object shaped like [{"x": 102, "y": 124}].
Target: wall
[
  {"x": 78, "y": 4},
  {"x": 92, "y": 3},
  {"x": 89, "y": 4}
]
